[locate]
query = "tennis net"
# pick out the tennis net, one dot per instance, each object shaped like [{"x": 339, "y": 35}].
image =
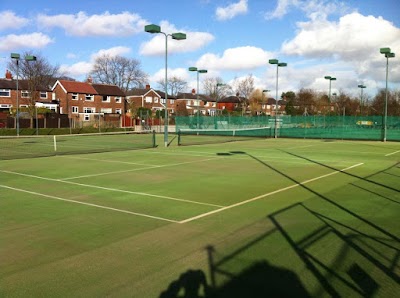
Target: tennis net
[
  {"x": 39, "y": 146},
  {"x": 209, "y": 136}
]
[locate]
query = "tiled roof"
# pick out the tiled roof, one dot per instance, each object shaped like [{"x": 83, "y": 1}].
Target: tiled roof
[
  {"x": 77, "y": 87},
  {"x": 103, "y": 89},
  {"x": 22, "y": 85}
]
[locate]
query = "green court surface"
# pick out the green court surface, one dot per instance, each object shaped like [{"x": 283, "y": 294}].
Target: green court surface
[{"x": 258, "y": 218}]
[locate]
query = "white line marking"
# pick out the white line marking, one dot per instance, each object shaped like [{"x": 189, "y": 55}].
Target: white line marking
[
  {"x": 89, "y": 204},
  {"x": 114, "y": 189},
  {"x": 392, "y": 153},
  {"x": 266, "y": 195}
]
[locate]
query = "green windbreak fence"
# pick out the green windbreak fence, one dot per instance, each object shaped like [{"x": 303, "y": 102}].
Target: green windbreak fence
[{"x": 313, "y": 127}]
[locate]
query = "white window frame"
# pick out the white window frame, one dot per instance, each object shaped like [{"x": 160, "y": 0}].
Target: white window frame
[
  {"x": 43, "y": 93},
  {"x": 75, "y": 110},
  {"x": 118, "y": 99},
  {"x": 86, "y": 117},
  {"x": 75, "y": 96},
  {"x": 155, "y": 99},
  {"x": 5, "y": 91},
  {"x": 118, "y": 111},
  {"x": 171, "y": 101},
  {"x": 107, "y": 98},
  {"x": 106, "y": 110},
  {"x": 89, "y": 110},
  {"x": 89, "y": 97},
  {"x": 148, "y": 99},
  {"x": 25, "y": 94}
]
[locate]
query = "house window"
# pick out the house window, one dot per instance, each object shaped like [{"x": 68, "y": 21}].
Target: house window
[
  {"x": 43, "y": 94},
  {"x": 106, "y": 98},
  {"x": 171, "y": 101},
  {"x": 25, "y": 94},
  {"x": 75, "y": 110},
  {"x": 89, "y": 97},
  {"x": 89, "y": 110},
  {"x": 118, "y": 99},
  {"x": 5, "y": 92},
  {"x": 118, "y": 111},
  {"x": 106, "y": 111},
  {"x": 156, "y": 100},
  {"x": 74, "y": 96},
  {"x": 162, "y": 100},
  {"x": 148, "y": 99},
  {"x": 86, "y": 117}
]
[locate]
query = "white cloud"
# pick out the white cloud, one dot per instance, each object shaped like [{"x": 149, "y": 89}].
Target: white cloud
[
  {"x": 240, "y": 58},
  {"x": 8, "y": 20},
  {"x": 76, "y": 70},
  {"x": 193, "y": 41},
  {"x": 106, "y": 24},
  {"x": 232, "y": 10},
  {"x": 82, "y": 68},
  {"x": 35, "y": 40},
  {"x": 281, "y": 9},
  {"x": 115, "y": 51}
]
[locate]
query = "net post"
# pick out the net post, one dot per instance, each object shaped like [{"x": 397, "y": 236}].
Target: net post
[
  {"x": 179, "y": 137},
  {"x": 55, "y": 143},
  {"x": 154, "y": 139}
]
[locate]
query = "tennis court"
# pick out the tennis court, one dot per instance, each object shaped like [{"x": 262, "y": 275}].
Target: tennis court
[{"x": 135, "y": 222}]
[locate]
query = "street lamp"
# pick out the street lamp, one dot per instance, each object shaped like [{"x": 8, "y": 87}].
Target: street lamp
[
  {"x": 177, "y": 36},
  {"x": 330, "y": 84},
  {"x": 262, "y": 98},
  {"x": 361, "y": 86},
  {"x": 198, "y": 101},
  {"x": 17, "y": 57},
  {"x": 278, "y": 64},
  {"x": 388, "y": 54}
]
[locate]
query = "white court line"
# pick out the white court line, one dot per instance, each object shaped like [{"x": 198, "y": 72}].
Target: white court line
[
  {"x": 113, "y": 189},
  {"x": 265, "y": 195},
  {"x": 134, "y": 170},
  {"x": 88, "y": 204},
  {"x": 392, "y": 153}
]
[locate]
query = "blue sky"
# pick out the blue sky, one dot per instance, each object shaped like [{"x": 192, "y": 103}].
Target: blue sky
[{"x": 230, "y": 38}]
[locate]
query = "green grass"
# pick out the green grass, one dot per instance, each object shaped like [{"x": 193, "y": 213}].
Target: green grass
[{"x": 281, "y": 216}]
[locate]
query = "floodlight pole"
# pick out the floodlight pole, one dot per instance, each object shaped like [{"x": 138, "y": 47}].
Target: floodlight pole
[
  {"x": 388, "y": 54},
  {"x": 178, "y": 36},
  {"x": 330, "y": 84},
  {"x": 17, "y": 57},
  {"x": 197, "y": 92},
  {"x": 278, "y": 64},
  {"x": 361, "y": 86}
]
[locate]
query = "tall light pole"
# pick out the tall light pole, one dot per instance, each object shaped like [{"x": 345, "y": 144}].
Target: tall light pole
[
  {"x": 278, "y": 64},
  {"x": 177, "y": 36},
  {"x": 17, "y": 57},
  {"x": 198, "y": 93},
  {"x": 388, "y": 54},
  {"x": 262, "y": 97},
  {"x": 330, "y": 85},
  {"x": 361, "y": 86}
]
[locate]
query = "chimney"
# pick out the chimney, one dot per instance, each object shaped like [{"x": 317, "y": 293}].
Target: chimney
[
  {"x": 9, "y": 75},
  {"x": 193, "y": 91},
  {"x": 148, "y": 87},
  {"x": 89, "y": 80}
]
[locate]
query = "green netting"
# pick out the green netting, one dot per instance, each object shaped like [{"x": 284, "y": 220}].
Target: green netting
[
  {"x": 38, "y": 146},
  {"x": 204, "y": 136},
  {"x": 325, "y": 127}
]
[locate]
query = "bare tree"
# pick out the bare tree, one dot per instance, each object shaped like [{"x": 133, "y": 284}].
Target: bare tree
[
  {"x": 244, "y": 88},
  {"x": 175, "y": 85},
  {"x": 117, "y": 70},
  {"x": 216, "y": 88},
  {"x": 39, "y": 74}
]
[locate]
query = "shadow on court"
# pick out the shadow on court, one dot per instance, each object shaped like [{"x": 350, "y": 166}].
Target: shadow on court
[{"x": 333, "y": 251}]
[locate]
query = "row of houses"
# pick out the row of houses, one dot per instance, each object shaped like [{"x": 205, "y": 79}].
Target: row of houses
[{"x": 82, "y": 101}]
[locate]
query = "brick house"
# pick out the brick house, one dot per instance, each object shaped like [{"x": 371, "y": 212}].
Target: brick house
[
  {"x": 150, "y": 99},
  {"x": 8, "y": 95},
  {"x": 204, "y": 104},
  {"x": 85, "y": 101}
]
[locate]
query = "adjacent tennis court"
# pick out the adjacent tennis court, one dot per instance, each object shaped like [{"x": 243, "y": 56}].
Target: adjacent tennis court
[{"x": 135, "y": 222}]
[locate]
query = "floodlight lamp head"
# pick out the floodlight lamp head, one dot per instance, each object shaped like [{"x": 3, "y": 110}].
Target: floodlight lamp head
[
  {"x": 333, "y": 79},
  {"x": 390, "y": 55},
  {"x": 362, "y": 86},
  {"x": 192, "y": 68},
  {"x": 328, "y": 77},
  {"x": 152, "y": 28},
  {"x": 273, "y": 61},
  {"x": 202, "y": 70},
  {"x": 30, "y": 58},
  {"x": 282, "y": 64},
  {"x": 178, "y": 36},
  {"x": 15, "y": 56},
  {"x": 385, "y": 50}
]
